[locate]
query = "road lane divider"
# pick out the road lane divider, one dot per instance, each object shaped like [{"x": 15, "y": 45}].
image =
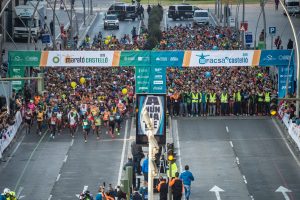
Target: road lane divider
[
  {"x": 123, "y": 153},
  {"x": 30, "y": 157}
]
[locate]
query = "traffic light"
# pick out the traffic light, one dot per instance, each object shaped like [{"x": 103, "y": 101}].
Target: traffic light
[
  {"x": 273, "y": 105},
  {"x": 171, "y": 156}
]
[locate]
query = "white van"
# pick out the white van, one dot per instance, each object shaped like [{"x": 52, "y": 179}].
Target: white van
[
  {"x": 201, "y": 17},
  {"x": 292, "y": 6}
]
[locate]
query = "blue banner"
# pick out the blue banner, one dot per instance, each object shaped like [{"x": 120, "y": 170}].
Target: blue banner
[
  {"x": 167, "y": 58},
  {"x": 276, "y": 58},
  {"x": 285, "y": 73},
  {"x": 156, "y": 108}
]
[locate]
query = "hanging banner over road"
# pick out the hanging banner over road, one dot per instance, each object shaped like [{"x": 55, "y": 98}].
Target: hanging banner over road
[
  {"x": 221, "y": 58},
  {"x": 80, "y": 58},
  {"x": 24, "y": 58},
  {"x": 216, "y": 58},
  {"x": 156, "y": 107}
]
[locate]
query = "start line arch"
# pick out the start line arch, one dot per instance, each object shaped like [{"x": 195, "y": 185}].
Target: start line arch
[
  {"x": 150, "y": 72},
  {"x": 152, "y": 64}
]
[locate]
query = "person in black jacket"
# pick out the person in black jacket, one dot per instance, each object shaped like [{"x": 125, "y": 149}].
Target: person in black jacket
[
  {"x": 162, "y": 188},
  {"x": 177, "y": 187},
  {"x": 290, "y": 44}
]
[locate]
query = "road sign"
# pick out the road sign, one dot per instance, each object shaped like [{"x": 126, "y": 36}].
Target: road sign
[
  {"x": 244, "y": 26},
  {"x": 231, "y": 20},
  {"x": 248, "y": 38},
  {"x": 46, "y": 39},
  {"x": 272, "y": 30}
]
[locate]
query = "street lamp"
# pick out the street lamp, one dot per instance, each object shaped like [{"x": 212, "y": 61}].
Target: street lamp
[{"x": 297, "y": 56}]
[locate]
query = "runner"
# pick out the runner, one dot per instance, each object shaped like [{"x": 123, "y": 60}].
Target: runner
[
  {"x": 106, "y": 117},
  {"x": 28, "y": 119},
  {"x": 73, "y": 118},
  {"x": 86, "y": 126},
  {"x": 111, "y": 124},
  {"x": 97, "y": 125},
  {"x": 53, "y": 124},
  {"x": 59, "y": 120},
  {"x": 40, "y": 120},
  {"x": 118, "y": 121}
]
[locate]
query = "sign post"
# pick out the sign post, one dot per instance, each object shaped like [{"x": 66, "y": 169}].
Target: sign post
[{"x": 272, "y": 32}]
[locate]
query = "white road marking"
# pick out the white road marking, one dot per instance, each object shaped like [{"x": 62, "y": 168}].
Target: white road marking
[
  {"x": 29, "y": 159},
  {"x": 58, "y": 177},
  {"x": 175, "y": 129},
  {"x": 85, "y": 188},
  {"x": 286, "y": 143},
  {"x": 123, "y": 153},
  {"x": 72, "y": 142},
  {"x": 231, "y": 144},
  {"x": 213, "y": 18},
  {"x": 18, "y": 194},
  {"x": 237, "y": 160},
  {"x": 245, "y": 180},
  {"x": 227, "y": 129},
  {"x": 14, "y": 151},
  {"x": 139, "y": 29},
  {"x": 50, "y": 197},
  {"x": 66, "y": 158},
  {"x": 284, "y": 192},
  {"x": 21, "y": 197},
  {"x": 217, "y": 191}
]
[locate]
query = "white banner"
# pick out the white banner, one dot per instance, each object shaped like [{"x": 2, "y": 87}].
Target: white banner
[
  {"x": 9, "y": 133},
  {"x": 78, "y": 58},
  {"x": 294, "y": 132},
  {"x": 221, "y": 58}
]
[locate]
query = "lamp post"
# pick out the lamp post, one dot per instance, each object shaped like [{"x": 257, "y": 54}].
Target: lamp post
[
  {"x": 153, "y": 149},
  {"x": 297, "y": 56}
]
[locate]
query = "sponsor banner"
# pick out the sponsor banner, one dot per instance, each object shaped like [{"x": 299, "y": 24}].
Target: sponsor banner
[
  {"x": 221, "y": 58},
  {"x": 294, "y": 132},
  {"x": 167, "y": 58},
  {"x": 285, "y": 74},
  {"x": 17, "y": 72},
  {"x": 24, "y": 58},
  {"x": 9, "y": 133},
  {"x": 156, "y": 107},
  {"x": 135, "y": 58},
  {"x": 150, "y": 80},
  {"x": 276, "y": 57},
  {"x": 80, "y": 58}
]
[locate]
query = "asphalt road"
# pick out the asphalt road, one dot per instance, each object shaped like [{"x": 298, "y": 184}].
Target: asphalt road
[
  {"x": 38, "y": 167},
  {"x": 248, "y": 159}
]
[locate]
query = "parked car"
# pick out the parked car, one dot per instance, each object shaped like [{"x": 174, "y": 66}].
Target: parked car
[
  {"x": 111, "y": 21},
  {"x": 182, "y": 11},
  {"x": 123, "y": 11},
  {"x": 201, "y": 17}
]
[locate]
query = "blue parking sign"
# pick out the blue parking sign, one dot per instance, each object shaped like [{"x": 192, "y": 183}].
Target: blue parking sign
[
  {"x": 272, "y": 30},
  {"x": 248, "y": 38}
]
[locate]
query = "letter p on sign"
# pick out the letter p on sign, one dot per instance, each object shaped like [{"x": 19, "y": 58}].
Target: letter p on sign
[{"x": 272, "y": 30}]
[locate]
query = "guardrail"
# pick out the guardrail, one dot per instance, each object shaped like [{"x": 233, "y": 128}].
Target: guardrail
[
  {"x": 292, "y": 128},
  {"x": 8, "y": 134}
]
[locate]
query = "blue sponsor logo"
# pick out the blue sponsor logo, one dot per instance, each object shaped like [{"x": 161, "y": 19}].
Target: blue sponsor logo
[{"x": 230, "y": 60}]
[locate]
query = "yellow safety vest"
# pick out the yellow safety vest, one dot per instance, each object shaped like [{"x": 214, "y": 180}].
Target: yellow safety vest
[
  {"x": 267, "y": 97},
  {"x": 174, "y": 170},
  {"x": 224, "y": 98},
  {"x": 195, "y": 98},
  {"x": 212, "y": 98},
  {"x": 260, "y": 97},
  {"x": 238, "y": 97}
]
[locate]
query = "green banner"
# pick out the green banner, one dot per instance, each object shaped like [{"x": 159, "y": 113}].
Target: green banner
[
  {"x": 17, "y": 72},
  {"x": 150, "y": 80},
  {"x": 135, "y": 58},
  {"x": 24, "y": 58}
]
